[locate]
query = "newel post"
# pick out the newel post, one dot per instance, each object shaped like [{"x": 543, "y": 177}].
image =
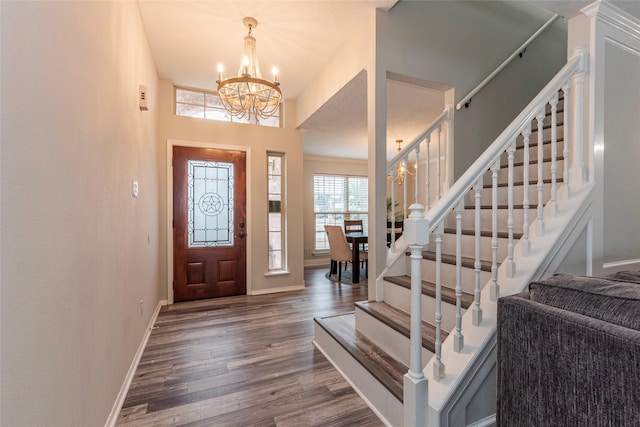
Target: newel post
[
  {"x": 578, "y": 168},
  {"x": 415, "y": 391}
]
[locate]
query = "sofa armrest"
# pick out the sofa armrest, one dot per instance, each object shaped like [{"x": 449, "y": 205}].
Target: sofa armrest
[{"x": 556, "y": 367}]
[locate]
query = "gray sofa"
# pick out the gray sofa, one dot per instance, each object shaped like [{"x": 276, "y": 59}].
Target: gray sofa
[{"x": 568, "y": 353}]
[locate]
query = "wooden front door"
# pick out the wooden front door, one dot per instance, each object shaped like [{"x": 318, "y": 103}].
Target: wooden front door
[{"x": 209, "y": 223}]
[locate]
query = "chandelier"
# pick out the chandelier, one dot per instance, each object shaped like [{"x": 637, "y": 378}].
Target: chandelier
[
  {"x": 402, "y": 167},
  {"x": 249, "y": 95}
]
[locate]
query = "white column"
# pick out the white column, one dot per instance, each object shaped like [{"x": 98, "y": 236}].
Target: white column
[{"x": 578, "y": 170}]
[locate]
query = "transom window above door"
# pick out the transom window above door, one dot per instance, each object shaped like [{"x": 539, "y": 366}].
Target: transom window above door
[{"x": 207, "y": 105}]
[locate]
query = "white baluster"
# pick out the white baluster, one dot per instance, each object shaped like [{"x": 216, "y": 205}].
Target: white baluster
[
  {"x": 554, "y": 154},
  {"x": 394, "y": 174},
  {"x": 417, "y": 182},
  {"x": 540, "y": 222},
  {"x": 526, "y": 244},
  {"x": 477, "y": 311},
  {"x": 458, "y": 339},
  {"x": 415, "y": 383},
  {"x": 438, "y": 182},
  {"x": 495, "y": 289},
  {"x": 510, "y": 264},
  {"x": 567, "y": 150},
  {"x": 438, "y": 366},
  {"x": 404, "y": 187},
  {"x": 428, "y": 172}
]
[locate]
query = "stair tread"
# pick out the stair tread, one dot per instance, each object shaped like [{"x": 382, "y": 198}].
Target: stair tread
[
  {"x": 451, "y": 259},
  {"x": 483, "y": 233},
  {"x": 429, "y": 289},
  {"x": 399, "y": 321},
  {"x": 386, "y": 369}
]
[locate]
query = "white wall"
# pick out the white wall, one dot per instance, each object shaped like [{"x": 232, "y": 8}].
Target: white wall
[
  {"x": 612, "y": 144},
  {"x": 78, "y": 252},
  {"x": 621, "y": 155},
  {"x": 257, "y": 140}
]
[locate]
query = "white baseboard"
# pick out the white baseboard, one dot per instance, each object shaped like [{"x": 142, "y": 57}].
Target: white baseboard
[
  {"x": 322, "y": 262},
  {"x": 276, "y": 290},
  {"x": 117, "y": 406}
]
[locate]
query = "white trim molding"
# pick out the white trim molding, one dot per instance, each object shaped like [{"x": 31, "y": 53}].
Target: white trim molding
[
  {"x": 613, "y": 16},
  {"x": 117, "y": 406}
]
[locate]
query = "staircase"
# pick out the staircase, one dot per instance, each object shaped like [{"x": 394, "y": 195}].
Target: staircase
[{"x": 501, "y": 225}]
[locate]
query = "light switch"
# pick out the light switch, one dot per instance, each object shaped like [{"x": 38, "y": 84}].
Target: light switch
[{"x": 134, "y": 188}]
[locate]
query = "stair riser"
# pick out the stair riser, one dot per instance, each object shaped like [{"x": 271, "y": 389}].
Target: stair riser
[
  {"x": 391, "y": 341},
  {"x": 468, "y": 219},
  {"x": 546, "y": 132},
  {"x": 448, "y": 274},
  {"x": 518, "y": 155},
  {"x": 518, "y": 195},
  {"x": 378, "y": 396},
  {"x": 400, "y": 298},
  {"x": 468, "y": 246}
]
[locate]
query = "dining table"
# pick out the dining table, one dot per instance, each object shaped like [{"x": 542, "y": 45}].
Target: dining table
[{"x": 356, "y": 238}]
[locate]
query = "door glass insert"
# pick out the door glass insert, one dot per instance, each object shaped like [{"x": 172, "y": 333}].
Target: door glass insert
[{"x": 210, "y": 204}]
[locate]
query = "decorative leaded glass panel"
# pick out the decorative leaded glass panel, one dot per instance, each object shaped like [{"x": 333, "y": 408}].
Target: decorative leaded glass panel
[{"x": 210, "y": 204}]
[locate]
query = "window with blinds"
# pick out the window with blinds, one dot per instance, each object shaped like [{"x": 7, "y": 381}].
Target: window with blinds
[{"x": 336, "y": 198}]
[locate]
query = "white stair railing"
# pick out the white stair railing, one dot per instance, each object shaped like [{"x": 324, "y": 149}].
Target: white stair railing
[
  {"x": 471, "y": 181},
  {"x": 417, "y": 153}
]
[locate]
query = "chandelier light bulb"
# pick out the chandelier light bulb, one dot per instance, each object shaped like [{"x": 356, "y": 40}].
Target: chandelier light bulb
[
  {"x": 220, "y": 70},
  {"x": 274, "y": 70}
]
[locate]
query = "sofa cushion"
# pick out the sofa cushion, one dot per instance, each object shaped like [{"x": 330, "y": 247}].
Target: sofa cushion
[
  {"x": 626, "y": 276},
  {"x": 612, "y": 301}
]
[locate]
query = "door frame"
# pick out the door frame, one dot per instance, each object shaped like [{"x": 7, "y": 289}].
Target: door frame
[{"x": 169, "y": 208}]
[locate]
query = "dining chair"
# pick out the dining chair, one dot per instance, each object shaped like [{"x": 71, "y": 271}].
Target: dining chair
[
  {"x": 340, "y": 250},
  {"x": 354, "y": 226}
]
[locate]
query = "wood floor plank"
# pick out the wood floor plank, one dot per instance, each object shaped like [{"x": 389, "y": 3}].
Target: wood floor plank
[{"x": 244, "y": 361}]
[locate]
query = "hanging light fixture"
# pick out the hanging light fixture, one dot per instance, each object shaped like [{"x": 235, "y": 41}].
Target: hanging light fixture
[
  {"x": 402, "y": 168},
  {"x": 249, "y": 94}
]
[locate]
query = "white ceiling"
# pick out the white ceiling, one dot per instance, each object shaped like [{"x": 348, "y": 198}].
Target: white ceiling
[{"x": 188, "y": 40}]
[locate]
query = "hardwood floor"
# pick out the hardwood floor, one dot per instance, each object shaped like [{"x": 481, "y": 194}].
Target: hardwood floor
[{"x": 246, "y": 361}]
